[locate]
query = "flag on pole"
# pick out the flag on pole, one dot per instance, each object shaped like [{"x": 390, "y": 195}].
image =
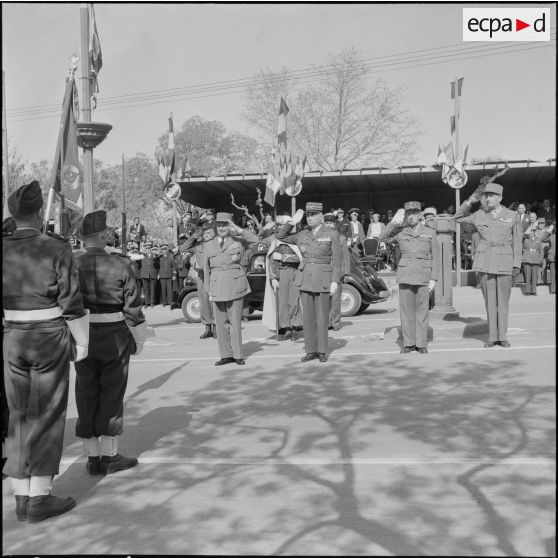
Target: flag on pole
[
  {"x": 163, "y": 173},
  {"x": 282, "y": 126},
  {"x": 272, "y": 186},
  {"x": 455, "y": 92},
  {"x": 171, "y": 134},
  {"x": 184, "y": 169},
  {"x": 65, "y": 171},
  {"x": 95, "y": 55}
]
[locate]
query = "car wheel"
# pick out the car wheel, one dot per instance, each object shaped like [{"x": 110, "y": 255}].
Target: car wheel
[
  {"x": 363, "y": 307},
  {"x": 191, "y": 307},
  {"x": 350, "y": 300}
]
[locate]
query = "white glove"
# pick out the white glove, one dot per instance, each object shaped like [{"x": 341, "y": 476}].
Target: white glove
[
  {"x": 274, "y": 284},
  {"x": 431, "y": 285},
  {"x": 297, "y": 217},
  {"x": 139, "y": 348},
  {"x": 333, "y": 288},
  {"x": 81, "y": 352},
  {"x": 399, "y": 217}
]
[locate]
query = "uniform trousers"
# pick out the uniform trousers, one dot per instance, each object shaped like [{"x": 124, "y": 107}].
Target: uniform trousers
[
  {"x": 150, "y": 290},
  {"x": 552, "y": 277},
  {"x": 315, "y": 318},
  {"x": 288, "y": 299},
  {"x": 166, "y": 290},
  {"x": 228, "y": 324},
  {"x": 335, "y": 307},
  {"x": 101, "y": 380},
  {"x": 37, "y": 375},
  {"x": 206, "y": 308},
  {"x": 413, "y": 309},
  {"x": 531, "y": 274},
  {"x": 496, "y": 290}
]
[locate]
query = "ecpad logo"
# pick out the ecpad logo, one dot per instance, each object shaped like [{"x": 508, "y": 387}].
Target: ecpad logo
[{"x": 506, "y": 24}]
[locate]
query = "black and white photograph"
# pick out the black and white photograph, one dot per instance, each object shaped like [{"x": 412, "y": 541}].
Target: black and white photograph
[{"x": 278, "y": 278}]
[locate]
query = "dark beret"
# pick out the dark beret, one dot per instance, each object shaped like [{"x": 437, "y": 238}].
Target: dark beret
[
  {"x": 93, "y": 222},
  {"x": 26, "y": 200}
]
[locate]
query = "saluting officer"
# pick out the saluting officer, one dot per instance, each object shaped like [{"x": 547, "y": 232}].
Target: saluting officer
[
  {"x": 317, "y": 277},
  {"x": 148, "y": 272},
  {"x": 117, "y": 329},
  {"x": 225, "y": 280},
  {"x": 417, "y": 272},
  {"x": 166, "y": 270},
  {"x": 497, "y": 257},
  {"x": 43, "y": 310}
]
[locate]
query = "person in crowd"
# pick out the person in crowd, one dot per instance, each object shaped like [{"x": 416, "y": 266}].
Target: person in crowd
[
  {"x": 522, "y": 216},
  {"x": 383, "y": 218},
  {"x": 533, "y": 224},
  {"x": 186, "y": 228},
  {"x": 355, "y": 233},
  {"x": 376, "y": 227},
  {"x": 181, "y": 262},
  {"x": 548, "y": 212},
  {"x": 389, "y": 215},
  {"x": 342, "y": 224},
  {"x": 169, "y": 235},
  {"x": 513, "y": 206},
  {"x": 532, "y": 260},
  {"x": 136, "y": 230},
  {"x": 117, "y": 329},
  {"x": 250, "y": 226},
  {"x": 225, "y": 280},
  {"x": 195, "y": 248},
  {"x": 318, "y": 276},
  {"x": 45, "y": 326},
  {"x": 148, "y": 274},
  {"x": 417, "y": 273},
  {"x": 549, "y": 236},
  {"x": 335, "y": 303},
  {"x": 166, "y": 272},
  {"x": 498, "y": 255},
  {"x": 208, "y": 216}
]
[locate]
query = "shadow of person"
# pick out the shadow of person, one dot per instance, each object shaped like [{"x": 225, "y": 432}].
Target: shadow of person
[{"x": 253, "y": 347}]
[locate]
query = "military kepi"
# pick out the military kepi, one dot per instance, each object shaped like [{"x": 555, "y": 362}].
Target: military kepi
[
  {"x": 93, "y": 222},
  {"x": 223, "y": 217},
  {"x": 26, "y": 200},
  {"x": 329, "y": 217},
  {"x": 494, "y": 188},
  {"x": 314, "y": 207},
  {"x": 412, "y": 206}
]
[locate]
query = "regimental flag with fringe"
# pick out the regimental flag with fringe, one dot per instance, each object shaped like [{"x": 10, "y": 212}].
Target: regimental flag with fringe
[
  {"x": 66, "y": 168},
  {"x": 95, "y": 54}
]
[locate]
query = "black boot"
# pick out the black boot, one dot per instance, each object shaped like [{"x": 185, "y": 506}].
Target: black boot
[
  {"x": 207, "y": 333},
  {"x": 43, "y": 507},
  {"x": 116, "y": 463},
  {"x": 93, "y": 465}
]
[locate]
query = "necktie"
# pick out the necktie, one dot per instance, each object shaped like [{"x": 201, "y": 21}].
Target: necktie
[{"x": 221, "y": 241}]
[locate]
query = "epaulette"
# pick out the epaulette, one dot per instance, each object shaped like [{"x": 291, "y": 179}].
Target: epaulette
[
  {"x": 120, "y": 254},
  {"x": 57, "y": 236}
]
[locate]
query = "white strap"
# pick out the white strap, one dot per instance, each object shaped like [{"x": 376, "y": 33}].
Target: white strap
[{"x": 32, "y": 315}]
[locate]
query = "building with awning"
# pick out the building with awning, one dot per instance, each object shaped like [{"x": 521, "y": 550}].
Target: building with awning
[{"x": 380, "y": 188}]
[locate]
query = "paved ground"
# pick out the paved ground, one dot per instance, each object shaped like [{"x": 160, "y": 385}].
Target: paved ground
[{"x": 372, "y": 453}]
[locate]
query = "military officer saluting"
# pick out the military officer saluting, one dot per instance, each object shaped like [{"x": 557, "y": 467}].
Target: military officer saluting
[
  {"x": 43, "y": 310},
  {"x": 317, "y": 276},
  {"x": 225, "y": 280},
  {"x": 497, "y": 257},
  {"x": 117, "y": 329},
  {"x": 417, "y": 272}
]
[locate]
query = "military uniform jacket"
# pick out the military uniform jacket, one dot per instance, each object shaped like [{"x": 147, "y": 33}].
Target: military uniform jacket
[
  {"x": 224, "y": 277},
  {"x": 149, "y": 267},
  {"x": 533, "y": 250},
  {"x": 321, "y": 257},
  {"x": 166, "y": 266},
  {"x": 550, "y": 237},
  {"x": 108, "y": 284},
  {"x": 420, "y": 260},
  {"x": 38, "y": 272},
  {"x": 500, "y": 239},
  {"x": 180, "y": 263}
]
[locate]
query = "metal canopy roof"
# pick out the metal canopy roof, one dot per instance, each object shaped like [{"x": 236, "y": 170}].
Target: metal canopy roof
[{"x": 419, "y": 182}]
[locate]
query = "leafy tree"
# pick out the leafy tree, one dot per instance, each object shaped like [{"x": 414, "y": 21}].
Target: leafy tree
[{"x": 340, "y": 121}]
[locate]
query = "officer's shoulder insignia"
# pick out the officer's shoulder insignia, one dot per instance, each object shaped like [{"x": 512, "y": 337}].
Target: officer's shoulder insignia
[
  {"x": 323, "y": 239},
  {"x": 57, "y": 236},
  {"x": 235, "y": 245}
]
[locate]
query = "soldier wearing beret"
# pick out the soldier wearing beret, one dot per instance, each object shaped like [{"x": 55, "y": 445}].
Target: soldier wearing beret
[
  {"x": 43, "y": 311},
  {"x": 497, "y": 257},
  {"x": 417, "y": 272},
  {"x": 317, "y": 277},
  {"x": 117, "y": 330},
  {"x": 225, "y": 280},
  {"x": 166, "y": 271}
]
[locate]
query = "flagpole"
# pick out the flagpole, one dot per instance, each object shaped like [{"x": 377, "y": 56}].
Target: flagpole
[
  {"x": 457, "y": 195},
  {"x": 123, "y": 238},
  {"x": 5, "y": 159}
]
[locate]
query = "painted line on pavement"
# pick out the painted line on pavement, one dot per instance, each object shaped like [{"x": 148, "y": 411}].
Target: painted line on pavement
[{"x": 494, "y": 350}]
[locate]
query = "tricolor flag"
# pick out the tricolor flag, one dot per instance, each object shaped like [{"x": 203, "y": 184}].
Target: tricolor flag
[
  {"x": 171, "y": 134},
  {"x": 272, "y": 186},
  {"x": 95, "y": 55},
  {"x": 163, "y": 172},
  {"x": 456, "y": 87},
  {"x": 282, "y": 126},
  {"x": 65, "y": 170}
]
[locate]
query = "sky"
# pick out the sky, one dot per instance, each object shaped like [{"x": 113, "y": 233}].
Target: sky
[{"x": 508, "y": 99}]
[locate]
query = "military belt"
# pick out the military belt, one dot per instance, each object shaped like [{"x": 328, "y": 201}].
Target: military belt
[
  {"x": 316, "y": 260},
  {"x": 32, "y": 315},
  {"x": 289, "y": 264},
  {"x": 226, "y": 268},
  {"x": 106, "y": 318}
]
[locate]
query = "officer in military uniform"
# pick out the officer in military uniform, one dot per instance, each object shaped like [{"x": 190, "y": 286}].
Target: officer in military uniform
[
  {"x": 532, "y": 259},
  {"x": 549, "y": 236},
  {"x": 46, "y": 324},
  {"x": 417, "y": 272},
  {"x": 166, "y": 270},
  {"x": 335, "y": 306},
  {"x": 317, "y": 277},
  {"x": 117, "y": 329},
  {"x": 225, "y": 280},
  {"x": 149, "y": 271},
  {"x": 195, "y": 246},
  {"x": 497, "y": 257},
  {"x": 283, "y": 261}
]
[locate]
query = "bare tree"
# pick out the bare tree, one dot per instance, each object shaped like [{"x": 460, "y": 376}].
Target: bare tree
[{"x": 337, "y": 119}]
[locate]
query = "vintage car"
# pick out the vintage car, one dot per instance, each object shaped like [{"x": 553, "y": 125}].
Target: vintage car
[{"x": 362, "y": 287}]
